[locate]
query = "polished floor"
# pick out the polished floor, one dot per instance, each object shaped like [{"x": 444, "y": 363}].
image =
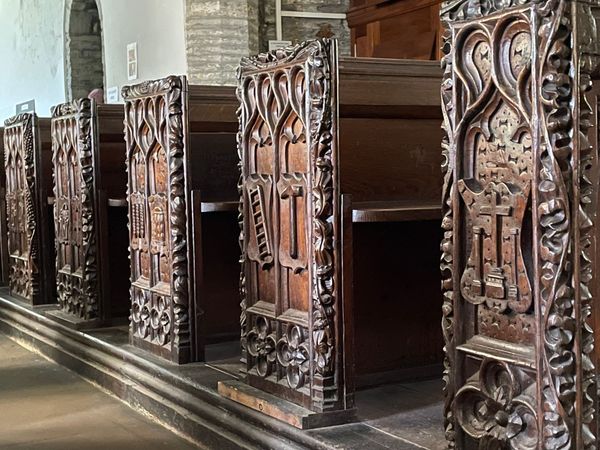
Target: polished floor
[{"x": 45, "y": 407}]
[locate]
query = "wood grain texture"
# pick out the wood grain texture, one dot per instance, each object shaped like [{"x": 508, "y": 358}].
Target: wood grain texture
[
  {"x": 91, "y": 273},
  {"x": 304, "y": 144},
  {"x": 520, "y": 189},
  {"x": 181, "y": 152},
  {"x": 27, "y": 155}
]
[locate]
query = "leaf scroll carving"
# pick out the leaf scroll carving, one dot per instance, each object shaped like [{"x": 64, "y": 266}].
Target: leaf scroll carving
[
  {"x": 521, "y": 168},
  {"x": 157, "y": 193},
  {"x": 74, "y": 213},
  {"x": 287, "y": 153},
  {"x": 23, "y": 237}
]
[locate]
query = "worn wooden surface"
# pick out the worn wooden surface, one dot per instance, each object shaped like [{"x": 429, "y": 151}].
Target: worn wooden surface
[
  {"x": 91, "y": 237},
  {"x": 182, "y": 160},
  {"x": 408, "y": 29},
  {"x": 399, "y": 416},
  {"x": 4, "y": 268},
  {"x": 520, "y": 206},
  {"x": 311, "y": 321},
  {"x": 28, "y": 168}
]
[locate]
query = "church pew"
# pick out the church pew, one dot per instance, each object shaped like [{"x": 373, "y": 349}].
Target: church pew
[
  {"x": 90, "y": 215},
  {"x": 3, "y": 219},
  {"x": 28, "y": 169},
  {"x": 341, "y": 165},
  {"x": 395, "y": 28},
  {"x": 183, "y": 206},
  {"x": 520, "y": 220}
]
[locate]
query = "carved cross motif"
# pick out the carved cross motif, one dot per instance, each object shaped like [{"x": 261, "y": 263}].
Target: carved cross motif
[
  {"x": 290, "y": 188},
  {"x": 495, "y": 210},
  {"x": 495, "y": 272}
]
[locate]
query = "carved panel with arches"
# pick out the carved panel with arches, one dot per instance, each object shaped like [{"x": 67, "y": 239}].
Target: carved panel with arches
[{"x": 519, "y": 223}]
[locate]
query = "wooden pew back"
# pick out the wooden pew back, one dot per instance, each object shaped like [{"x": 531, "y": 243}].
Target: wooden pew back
[
  {"x": 389, "y": 130},
  {"x": 304, "y": 144},
  {"x": 86, "y": 174},
  {"x": 27, "y": 163}
]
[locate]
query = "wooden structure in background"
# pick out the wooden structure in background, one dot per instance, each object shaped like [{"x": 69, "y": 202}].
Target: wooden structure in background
[
  {"x": 90, "y": 215},
  {"x": 28, "y": 169},
  {"x": 183, "y": 206},
  {"x": 318, "y": 164},
  {"x": 520, "y": 210},
  {"x": 405, "y": 29}
]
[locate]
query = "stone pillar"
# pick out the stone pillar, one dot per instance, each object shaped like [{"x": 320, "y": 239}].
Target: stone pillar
[
  {"x": 83, "y": 45},
  {"x": 218, "y": 34},
  {"x": 520, "y": 97}
]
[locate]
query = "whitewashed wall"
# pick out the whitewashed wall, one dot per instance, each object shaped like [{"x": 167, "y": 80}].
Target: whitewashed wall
[
  {"x": 31, "y": 51},
  {"x": 32, "y": 46},
  {"x": 158, "y": 28}
]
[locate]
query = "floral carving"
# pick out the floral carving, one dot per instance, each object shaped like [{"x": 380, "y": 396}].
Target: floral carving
[
  {"x": 538, "y": 56},
  {"x": 75, "y": 216},
  {"x": 261, "y": 344},
  {"x": 154, "y": 134},
  {"x": 497, "y": 409},
  {"x": 293, "y": 354},
  {"x": 151, "y": 317},
  {"x": 288, "y": 105},
  {"x": 23, "y": 236}
]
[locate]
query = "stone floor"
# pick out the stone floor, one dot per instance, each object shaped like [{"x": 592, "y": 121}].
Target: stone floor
[{"x": 45, "y": 407}]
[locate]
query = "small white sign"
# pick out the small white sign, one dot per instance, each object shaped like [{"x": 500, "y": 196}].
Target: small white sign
[
  {"x": 132, "y": 61},
  {"x": 112, "y": 95},
  {"x": 28, "y": 106},
  {"x": 274, "y": 45}
]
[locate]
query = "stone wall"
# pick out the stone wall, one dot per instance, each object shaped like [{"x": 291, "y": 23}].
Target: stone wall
[
  {"x": 84, "y": 69},
  {"x": 218, "y": 34},
  {"x": 297, "y": 29}
]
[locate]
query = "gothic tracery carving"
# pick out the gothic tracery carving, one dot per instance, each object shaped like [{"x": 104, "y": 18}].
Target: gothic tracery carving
[
  {"x": 519, "y": 170},
  {"x": 74, "y": 213},
  {"x": 285, "y": 140},
  {"x": 24, "y": 257},
  {"x": 157, "y": 215}
]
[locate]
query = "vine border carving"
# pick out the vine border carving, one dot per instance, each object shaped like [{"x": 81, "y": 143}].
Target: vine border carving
[
  {"x": 25, "y": 281},
  {"x": 563, "y": 216},
  {"x": 173, "y": 89},
  {"x": 319, "y": 114},
  {"x": 82, "y": 111}
]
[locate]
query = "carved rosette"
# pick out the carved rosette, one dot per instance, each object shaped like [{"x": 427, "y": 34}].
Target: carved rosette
[
  {"x": 72, "y": 127},
  {"x": 156, "y": 163},
  {"x": 498, "y": 407},
  {"x": 23, "y": 240},
  {"x": 537, "y": 58},
  {"x": 288, "y": 107}
]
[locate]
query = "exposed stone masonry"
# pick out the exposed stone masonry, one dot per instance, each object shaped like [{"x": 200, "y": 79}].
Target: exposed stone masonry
[
  {"x": 220, "y": 32},
  {"x": 84, "y": 69}
]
